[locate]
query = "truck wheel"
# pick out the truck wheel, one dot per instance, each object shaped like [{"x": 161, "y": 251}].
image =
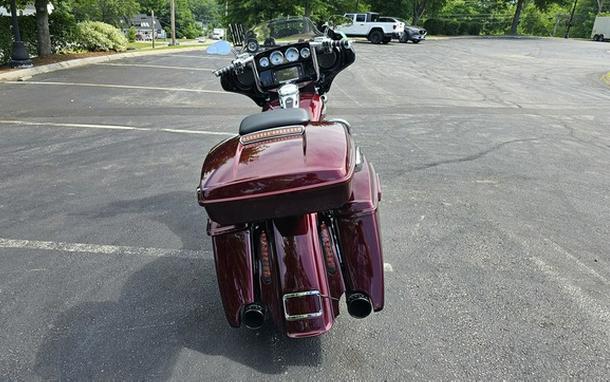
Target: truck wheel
[
  {"x": 601, "y": 37},
  {"x": 376, "y": 36}
]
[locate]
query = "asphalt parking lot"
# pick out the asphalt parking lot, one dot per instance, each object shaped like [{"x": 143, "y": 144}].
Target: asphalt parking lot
[{"x": 495, "y": 161}]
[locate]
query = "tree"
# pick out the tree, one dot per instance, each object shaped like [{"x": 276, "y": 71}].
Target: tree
[
  {"x": 42, "y": 28},
  {"x": 108, "y": 11},
  {"x": 539, "y": 4}
]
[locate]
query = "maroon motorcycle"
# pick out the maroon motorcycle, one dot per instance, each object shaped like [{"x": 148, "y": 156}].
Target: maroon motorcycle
[{"x": 292, "y": 201}]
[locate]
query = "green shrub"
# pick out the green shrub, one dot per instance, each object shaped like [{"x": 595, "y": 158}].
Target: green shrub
[
  {"x": 27, "y": 27},
  {"x": 452, "y": 28},
  {"x": 96, "y": 36},
  {"x": 132, "y": 33},
  {"x": 435, "y": 26},
  {"x": 471, "y": 28},
  {"x": 61, "y": 26}
]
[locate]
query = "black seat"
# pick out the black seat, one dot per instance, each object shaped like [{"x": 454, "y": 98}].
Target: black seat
[{"x": 271, "y": 119}]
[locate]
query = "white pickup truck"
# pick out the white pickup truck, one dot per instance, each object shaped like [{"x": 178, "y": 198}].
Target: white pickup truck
[
  {"x": 601, "y": 28},
  {"x": 368, "y": 25}
]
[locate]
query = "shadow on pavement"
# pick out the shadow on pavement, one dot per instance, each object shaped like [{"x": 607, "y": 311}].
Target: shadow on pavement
[
  {"x": 177, "y": 210},
  {"x": 168, "y": 305},
  {"x": 163, "y": 308}
]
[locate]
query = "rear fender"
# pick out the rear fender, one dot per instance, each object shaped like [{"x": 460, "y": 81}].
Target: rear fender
[{"x": 298, "y": 295}]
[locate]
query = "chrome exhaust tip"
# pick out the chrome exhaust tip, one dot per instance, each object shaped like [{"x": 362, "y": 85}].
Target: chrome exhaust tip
[
  {"x": 359, "y": 305},
  {"x": 254, "y": 316}
]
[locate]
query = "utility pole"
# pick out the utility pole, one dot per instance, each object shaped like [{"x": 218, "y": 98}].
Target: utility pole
[
  {"x": 153, "y": 28},
  {"x": 20, "y": 57},
  {"x": 172, "y": 10},
  {"x": 571, "y": 18}
]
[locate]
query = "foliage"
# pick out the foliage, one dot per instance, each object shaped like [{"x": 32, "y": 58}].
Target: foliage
[
  {"x": 108, "y": 11},
  {"x": 132, "y": 33},
  {"x": 98, "y": 36},
  {"x": 584, "y": 17},
  {"x": 61, "y": 25}
]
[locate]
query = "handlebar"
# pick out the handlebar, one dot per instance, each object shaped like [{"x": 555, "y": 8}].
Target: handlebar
[{"x": 320, "y": 46}]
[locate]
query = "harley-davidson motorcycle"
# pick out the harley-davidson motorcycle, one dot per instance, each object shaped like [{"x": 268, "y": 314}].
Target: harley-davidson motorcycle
[{"x": 292, "y": 201}]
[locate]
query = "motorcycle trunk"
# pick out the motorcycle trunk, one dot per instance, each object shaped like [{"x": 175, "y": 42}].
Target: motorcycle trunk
[{"x": 294, "y": 225}]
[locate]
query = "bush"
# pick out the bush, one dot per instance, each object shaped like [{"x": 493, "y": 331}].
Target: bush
[
  {"x": 27, "y": 27},
  {"x": 61, "y": 26},
  {"x": 132, "y": 33},
  {"x": 435, "y": 26},
  {"x": 452, "y": 28},
  {"x": 96, "y": 36},
  {"x": 470, "y": 28}
]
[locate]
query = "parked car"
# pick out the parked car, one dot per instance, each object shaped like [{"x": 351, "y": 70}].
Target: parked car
[
  {"x": 370, "y": 26},
  {"x": 601, "y": 28},
  {"x": 410, "y": 33}
]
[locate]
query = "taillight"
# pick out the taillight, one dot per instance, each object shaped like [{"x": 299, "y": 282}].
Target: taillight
[
  {"x": 265, "y": 258},
  {"x": 329, "y": 254}
]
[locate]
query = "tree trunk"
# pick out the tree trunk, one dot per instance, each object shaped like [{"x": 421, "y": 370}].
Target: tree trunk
[
  {"x": 517, "y": 17},
  {"x": 42, "y": 26},
  {"x": 418, "y": 11},
  {"x": 600, "y": 6}
]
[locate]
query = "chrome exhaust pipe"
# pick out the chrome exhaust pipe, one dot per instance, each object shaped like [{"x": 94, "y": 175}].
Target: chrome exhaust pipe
[
  {"x": 359, "y": 305},
  {"x": 254, "y": 316}
]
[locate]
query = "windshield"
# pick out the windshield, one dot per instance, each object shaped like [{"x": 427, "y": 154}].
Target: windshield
[{"x": 284, "y": 31}]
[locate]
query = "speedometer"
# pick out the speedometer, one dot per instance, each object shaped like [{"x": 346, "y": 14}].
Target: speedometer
[
  {"x": 292, "y": 54},
  {"x": 264, "y": 62},
  {"x": 277, "y": 58}
]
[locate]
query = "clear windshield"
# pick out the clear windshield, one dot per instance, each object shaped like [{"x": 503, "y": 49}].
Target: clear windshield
[{"x": 288, "y": 30}]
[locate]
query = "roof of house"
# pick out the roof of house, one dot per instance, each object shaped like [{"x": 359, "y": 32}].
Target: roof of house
[{"x": 144, "y": 21}]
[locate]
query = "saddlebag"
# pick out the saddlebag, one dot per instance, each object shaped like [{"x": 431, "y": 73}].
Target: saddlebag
[
  {"x": 359, "y": 233},
  {"x": 279, "y": 172}
]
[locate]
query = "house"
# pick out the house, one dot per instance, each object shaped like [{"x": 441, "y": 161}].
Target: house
[
  {"x": 143, "y": 25},
  {"x": 29, "y": 10}
]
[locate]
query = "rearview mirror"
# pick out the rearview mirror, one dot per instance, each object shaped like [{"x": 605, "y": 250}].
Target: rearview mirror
[{"x": 220, "y": 47}]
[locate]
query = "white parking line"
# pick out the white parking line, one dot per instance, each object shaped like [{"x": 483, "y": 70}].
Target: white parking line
[
  {"x": 99, "y": 249},
  {"x": 110, "y": 127},
  {"x": 115, "y": 86},
  {"x": 156, "y": 66},
  {"x": 196, "y": 132},
  {"x": 81, "y": 125},
  {"x": 193, "y": 56}
]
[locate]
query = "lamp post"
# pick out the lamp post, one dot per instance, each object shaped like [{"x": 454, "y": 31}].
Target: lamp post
[{"x": 20, "y": 57}]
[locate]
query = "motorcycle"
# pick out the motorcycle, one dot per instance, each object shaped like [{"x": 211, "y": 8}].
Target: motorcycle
[{"x": 292, "y": 201}]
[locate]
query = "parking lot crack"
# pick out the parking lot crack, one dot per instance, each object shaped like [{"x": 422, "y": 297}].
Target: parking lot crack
[{"x": 475, "y": 156}]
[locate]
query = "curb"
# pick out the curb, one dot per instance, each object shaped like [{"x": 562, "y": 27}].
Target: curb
[{"x": 23, "y": 74}]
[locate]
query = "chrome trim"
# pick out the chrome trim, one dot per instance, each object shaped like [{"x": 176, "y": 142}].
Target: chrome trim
[
  {"x": 289, "y": 96},
  {"x": 306, "y": 316}
]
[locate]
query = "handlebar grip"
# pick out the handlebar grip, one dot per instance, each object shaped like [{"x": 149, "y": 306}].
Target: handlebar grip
[{"x": 224, "y": 70}]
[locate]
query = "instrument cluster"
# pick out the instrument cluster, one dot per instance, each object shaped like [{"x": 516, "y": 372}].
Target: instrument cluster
[
  {"x": 287, "y": 64},
  {"x": 280, "y": 57}
]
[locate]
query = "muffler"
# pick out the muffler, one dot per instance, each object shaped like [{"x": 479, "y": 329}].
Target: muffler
[
  {"x": 254, "y": 316},
  {"x": 359, "y": 305}
]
